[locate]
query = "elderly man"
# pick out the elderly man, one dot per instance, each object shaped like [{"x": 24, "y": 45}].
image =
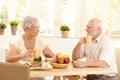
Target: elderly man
[{"x": 99, "y": 53}]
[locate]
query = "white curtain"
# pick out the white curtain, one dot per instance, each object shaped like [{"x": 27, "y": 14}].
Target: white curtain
[{"x": 32, "y": 8}]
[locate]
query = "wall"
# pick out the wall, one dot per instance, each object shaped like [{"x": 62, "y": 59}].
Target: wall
[{"x": 63, "y": 45}]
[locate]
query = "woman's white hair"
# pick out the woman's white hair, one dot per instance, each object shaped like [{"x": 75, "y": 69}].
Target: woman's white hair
[{"x": 28, "y": 22}]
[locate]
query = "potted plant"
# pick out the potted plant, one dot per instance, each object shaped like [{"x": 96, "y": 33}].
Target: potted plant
[
  {"x": 2, "y": 27},
  {"x": 14, "y": 25},
  {"x": 64, "y": 30}
]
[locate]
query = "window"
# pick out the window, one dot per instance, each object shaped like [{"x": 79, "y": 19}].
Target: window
[
  {"x": 53, "y": 13},
  {"x": 108, "y": 12}
]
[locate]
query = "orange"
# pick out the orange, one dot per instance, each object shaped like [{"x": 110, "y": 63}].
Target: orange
[{"x": 59, "y": 55}]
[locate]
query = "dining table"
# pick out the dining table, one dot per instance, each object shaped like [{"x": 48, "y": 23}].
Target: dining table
[{"x": 70, "y": 70}]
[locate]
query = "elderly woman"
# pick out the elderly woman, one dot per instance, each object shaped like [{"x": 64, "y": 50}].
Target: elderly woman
[{"x": 21, "y": 48}]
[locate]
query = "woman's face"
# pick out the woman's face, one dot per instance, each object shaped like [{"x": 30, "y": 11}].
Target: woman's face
[{"x": 33, "y": 31}]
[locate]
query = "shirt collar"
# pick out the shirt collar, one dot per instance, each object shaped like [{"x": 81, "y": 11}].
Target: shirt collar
[{"x": 98, "y": 38}]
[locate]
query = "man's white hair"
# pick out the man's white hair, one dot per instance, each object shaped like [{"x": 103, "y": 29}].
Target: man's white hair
[{"x": 98, "y": 23}]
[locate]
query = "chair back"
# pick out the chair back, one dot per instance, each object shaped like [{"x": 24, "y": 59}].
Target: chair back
[
  {"x": 118, "y": 61},
  {"x": 13, "y": 71}
]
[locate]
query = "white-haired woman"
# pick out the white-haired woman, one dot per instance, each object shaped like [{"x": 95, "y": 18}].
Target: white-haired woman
[{"x": 21, "y": 48}]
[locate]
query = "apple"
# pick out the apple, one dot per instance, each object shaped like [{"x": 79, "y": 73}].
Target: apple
[
  {"x": 66, "y": 60},
  {"x": 60, "y": 60}
]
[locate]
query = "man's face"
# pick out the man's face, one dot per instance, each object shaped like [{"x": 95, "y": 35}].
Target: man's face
[{"x": 91, "y": 29}]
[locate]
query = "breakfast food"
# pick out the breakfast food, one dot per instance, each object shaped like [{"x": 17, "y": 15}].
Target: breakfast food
[
  {"x": 36, "y": 64},
  {"x": 60, "y": 61},
  {"x": 37, "y": 59},
  {"x": 61, "y": 58}
]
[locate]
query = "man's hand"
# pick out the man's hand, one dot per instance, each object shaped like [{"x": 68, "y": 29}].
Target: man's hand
[
  {"x": 82, "y": 40},
  {"x": 78, "y": 64}
]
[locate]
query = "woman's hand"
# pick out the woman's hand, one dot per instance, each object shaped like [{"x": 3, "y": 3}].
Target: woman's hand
[
  {"x": 48, "y": 53},
  {"x": 28, "y": 53}
]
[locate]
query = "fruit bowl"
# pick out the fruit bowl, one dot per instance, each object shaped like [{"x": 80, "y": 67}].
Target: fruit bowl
[{"x": 59, "y": 66}]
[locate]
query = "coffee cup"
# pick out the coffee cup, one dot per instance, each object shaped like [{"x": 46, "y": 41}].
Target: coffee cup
[{"x": 88, "y": 39}]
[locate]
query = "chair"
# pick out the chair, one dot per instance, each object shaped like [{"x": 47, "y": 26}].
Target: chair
[
  {"x": 117, "y": 51},
  {"x": 13, "y": 71}
]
